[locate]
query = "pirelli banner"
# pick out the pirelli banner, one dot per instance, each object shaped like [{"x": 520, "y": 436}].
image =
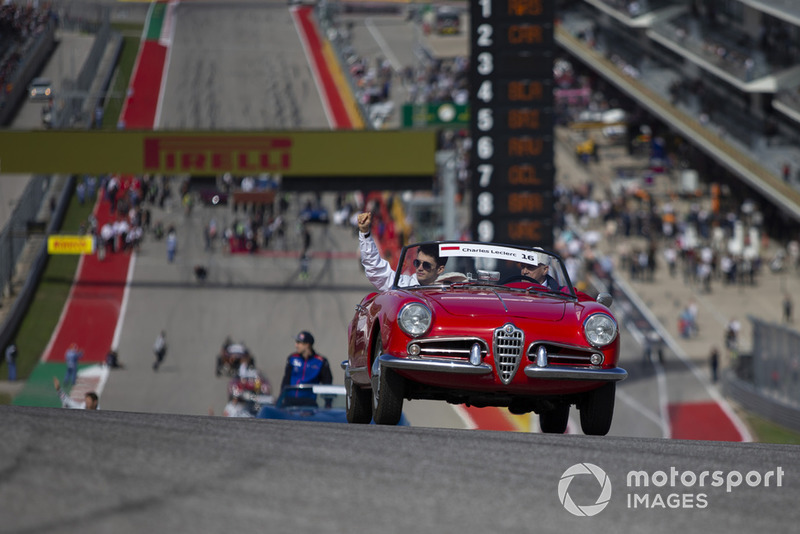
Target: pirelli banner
[
  {"x": 343, "y": 155},
  {"x": 70, "y": 244},
  {"x": 511, "y": 123}
]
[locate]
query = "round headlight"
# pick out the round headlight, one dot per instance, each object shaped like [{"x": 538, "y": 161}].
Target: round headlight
[
  {"x": 600, "y": 329},
  {"x": 414, "y": 319}
]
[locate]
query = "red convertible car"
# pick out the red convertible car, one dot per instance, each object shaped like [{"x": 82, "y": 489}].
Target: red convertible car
[{"x": 499, "y": 325}]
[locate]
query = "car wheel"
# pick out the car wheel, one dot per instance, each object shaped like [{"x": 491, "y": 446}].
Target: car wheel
[
  {"x": 597, "y": 410},
  {"x": 359, "y": 409},
  {"x": 555, "y": 421},
  {"x": 387, "y": 391}
]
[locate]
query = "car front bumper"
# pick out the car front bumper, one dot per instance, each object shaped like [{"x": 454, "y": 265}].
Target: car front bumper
[{"x": 560, "y": 372}]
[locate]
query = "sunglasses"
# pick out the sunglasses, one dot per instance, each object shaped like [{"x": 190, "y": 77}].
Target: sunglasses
[{"x": 426, "y": 265}]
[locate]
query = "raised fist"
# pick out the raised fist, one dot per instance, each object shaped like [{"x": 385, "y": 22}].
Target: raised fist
[{"x": 364, "y": 222}]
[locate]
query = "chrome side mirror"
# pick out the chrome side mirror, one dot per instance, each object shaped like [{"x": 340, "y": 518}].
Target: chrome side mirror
[{"x": 605, "y": 299}]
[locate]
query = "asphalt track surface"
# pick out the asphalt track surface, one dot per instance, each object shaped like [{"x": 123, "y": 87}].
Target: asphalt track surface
[
  {"x": 76, "y": 471},
  {"x": 139, "y": 466},
  {"x": 238, "y": 67}
]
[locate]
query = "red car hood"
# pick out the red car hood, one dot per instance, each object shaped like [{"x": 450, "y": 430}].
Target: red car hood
[{"x": 512, "y": 305}]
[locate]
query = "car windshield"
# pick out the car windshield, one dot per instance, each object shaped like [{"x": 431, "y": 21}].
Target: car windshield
[
  {"x": 318, "y": 396},
  {"x": 458, "y": 263}
]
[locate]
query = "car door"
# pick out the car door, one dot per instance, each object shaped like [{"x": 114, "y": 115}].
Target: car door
[{"x": 359, "y": 338}]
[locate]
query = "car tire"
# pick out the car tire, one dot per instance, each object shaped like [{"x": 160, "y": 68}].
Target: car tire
[
  {"x": 555, "y": 421},
  {"x": 359, "y": 409},
  {"x": 387, "y": 391},
  {"x": 597, "y": 410}
]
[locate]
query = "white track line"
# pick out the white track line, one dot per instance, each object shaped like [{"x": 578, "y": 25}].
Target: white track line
[
  {"x": 465, "y": 417},
  {"x": 124, "y": 307},
  {"x": 383, "y": 45},
  {"x": 661, "y": 383}
]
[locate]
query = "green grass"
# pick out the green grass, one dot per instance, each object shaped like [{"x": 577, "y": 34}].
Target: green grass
[
  {"x": 765, "y": 431},
  {"x": 120, "y": 81},
  {"x": 42, "y": 317}
]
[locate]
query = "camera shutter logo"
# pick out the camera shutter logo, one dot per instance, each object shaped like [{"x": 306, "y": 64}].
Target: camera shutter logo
[{"x": 602, "y": 500}]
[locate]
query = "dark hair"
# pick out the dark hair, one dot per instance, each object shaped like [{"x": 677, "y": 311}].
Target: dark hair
[
  {"x": 92, "y": 395},
  {"x": 432, "y": 250}
]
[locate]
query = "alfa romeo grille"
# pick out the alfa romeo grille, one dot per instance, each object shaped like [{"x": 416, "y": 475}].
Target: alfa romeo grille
[{"x": 508, "y": 343}]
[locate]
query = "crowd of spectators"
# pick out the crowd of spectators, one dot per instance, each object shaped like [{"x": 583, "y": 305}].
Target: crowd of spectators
[
  {"x": 277, "y": 226},
  {"x": 254, "y": 232},
  {"x": 255, "y": 226},
  {"x": 699, "y": 246},
  {"x": 717, "y": 48},
  {"x": 373, "y": 82},
  {"x": 19, "y": 22},
  {"x": 433, "y": 81},
  {"x": 130, "y": 216},
  {"x": 429, "y": 80},
  {"x": 19, "y": 25},
  {"x": 712, "y": 34},
  {"x": 438, "y": 80},
  {"x": 741, "y": 54}
]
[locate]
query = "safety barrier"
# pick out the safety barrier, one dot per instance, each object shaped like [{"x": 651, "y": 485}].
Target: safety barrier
[
  {"x": 768, "y": 380},
  {"x": 27, "y": 210}
]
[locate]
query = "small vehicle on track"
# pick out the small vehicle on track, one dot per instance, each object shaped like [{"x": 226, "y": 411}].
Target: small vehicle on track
[
  {"x": 308, "y": 402},
  {"x": 230, "y": 358},
  {"x": 251, "y": 386},
  {"x": 484, "y": 334},
  {"x": 40, "y": 89},
  {"x": 311, "y": 402}
]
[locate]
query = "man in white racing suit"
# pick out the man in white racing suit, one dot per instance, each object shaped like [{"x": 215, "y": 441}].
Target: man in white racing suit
[{"x": 428, "y": 264}]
